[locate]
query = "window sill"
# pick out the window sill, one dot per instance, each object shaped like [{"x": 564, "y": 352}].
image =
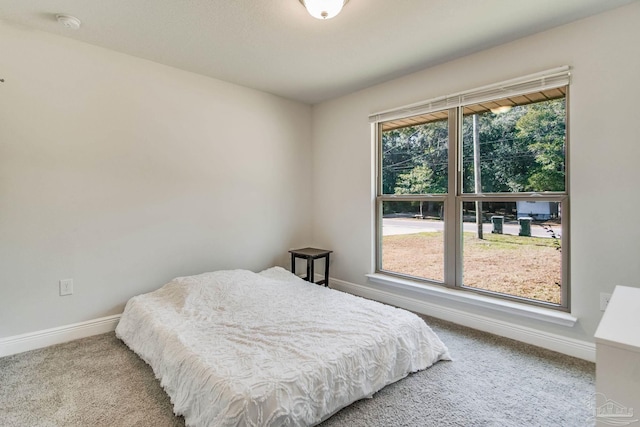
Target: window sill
[{"x": 510, "y": 307}]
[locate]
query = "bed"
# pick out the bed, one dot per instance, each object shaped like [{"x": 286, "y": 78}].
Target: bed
[{"x": 238, "y": 348}]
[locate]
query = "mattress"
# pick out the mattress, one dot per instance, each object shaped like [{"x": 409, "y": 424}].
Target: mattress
[{"x": 237, "y": 348}]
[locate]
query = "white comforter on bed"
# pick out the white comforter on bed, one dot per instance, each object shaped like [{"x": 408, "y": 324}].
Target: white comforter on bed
[{"x": 236, "y": 348}]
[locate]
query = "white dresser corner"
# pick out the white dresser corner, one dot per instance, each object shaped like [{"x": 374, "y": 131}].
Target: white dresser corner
[{"x": 618, "y": 360}]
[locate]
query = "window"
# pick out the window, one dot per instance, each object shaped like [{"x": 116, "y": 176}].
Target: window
[{"x": 472, "y": 190}]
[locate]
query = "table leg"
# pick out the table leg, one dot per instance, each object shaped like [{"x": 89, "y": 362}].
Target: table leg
[{"x": 326, "y": 271}]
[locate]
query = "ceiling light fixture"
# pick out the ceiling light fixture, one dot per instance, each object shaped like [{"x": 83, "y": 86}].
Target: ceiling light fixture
[
  {"x": 323, "y": 9},
  {"x": 69, "y": 21},
  {"x": 501, "y": 109}
]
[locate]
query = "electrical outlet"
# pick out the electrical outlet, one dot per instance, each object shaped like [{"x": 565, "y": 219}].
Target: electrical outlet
[
  {"x": 604, "y": 300},
  {"x": 66, "y": 287}
]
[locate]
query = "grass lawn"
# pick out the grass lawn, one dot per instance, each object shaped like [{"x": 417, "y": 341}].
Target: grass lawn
[{"x": 528, "y": 267}]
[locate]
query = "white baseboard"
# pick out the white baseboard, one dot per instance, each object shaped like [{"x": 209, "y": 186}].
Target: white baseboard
[
  {"x": 47, "y": 337},
  {"x": 569, "y": 346}
]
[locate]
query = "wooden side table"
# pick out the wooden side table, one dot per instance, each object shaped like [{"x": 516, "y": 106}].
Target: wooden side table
[{"x": 311, "y": 254}]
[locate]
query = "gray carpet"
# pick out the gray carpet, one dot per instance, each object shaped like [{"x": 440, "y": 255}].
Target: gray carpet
[{"x": 493, "y": 381}]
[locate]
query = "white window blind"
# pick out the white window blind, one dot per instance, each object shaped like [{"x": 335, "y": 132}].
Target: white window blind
[{"x": 549, "y": 79}]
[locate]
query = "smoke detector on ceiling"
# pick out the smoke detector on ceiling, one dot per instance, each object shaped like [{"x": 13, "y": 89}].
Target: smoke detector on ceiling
[{"x": 69, "y": 21}]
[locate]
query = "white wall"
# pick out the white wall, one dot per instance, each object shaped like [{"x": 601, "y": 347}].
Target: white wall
[
  {"x": 122, "y": 173},
  {"x": 604, "y": 144}
]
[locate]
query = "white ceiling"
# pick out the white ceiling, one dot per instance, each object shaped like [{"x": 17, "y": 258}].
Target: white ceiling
[{"x": 276, "y": 47}]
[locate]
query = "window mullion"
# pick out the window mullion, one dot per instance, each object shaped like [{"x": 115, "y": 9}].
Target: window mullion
[{"x": 451, "y": 209}]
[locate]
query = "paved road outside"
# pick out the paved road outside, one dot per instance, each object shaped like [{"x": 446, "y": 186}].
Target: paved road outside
[{"x": 393, "y": 226}]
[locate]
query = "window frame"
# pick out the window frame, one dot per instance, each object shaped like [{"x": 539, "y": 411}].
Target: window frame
[{"x": 455, "y": 197}]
